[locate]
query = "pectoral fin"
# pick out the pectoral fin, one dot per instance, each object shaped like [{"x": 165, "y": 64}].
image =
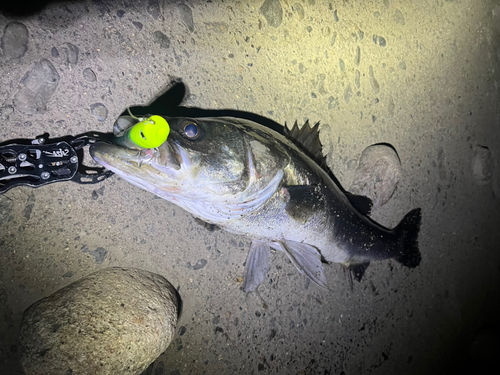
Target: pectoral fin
[
  {"x": 256, "y": 266},
  {"x": 307, "y": 259}
]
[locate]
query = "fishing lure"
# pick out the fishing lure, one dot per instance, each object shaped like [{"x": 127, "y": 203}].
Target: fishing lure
[{"x": 149, "y": 132}]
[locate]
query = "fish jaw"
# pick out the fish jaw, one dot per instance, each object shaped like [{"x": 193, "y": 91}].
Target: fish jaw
[{"x": 138, "y": 167}]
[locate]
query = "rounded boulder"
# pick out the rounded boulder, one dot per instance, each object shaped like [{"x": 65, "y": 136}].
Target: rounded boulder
[{"x": 114, "y": 321}]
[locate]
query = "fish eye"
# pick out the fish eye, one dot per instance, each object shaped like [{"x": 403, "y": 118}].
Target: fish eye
[{"x": 192, "y": 130}]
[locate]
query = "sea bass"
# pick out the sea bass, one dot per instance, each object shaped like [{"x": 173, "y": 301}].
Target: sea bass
[{"x": 275, "y": 189}]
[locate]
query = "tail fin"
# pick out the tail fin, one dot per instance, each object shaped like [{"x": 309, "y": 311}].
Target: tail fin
[{"x": 408, "y": 230}]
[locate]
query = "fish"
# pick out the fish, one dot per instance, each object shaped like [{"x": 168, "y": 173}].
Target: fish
[{"x": 275, "y": 189}]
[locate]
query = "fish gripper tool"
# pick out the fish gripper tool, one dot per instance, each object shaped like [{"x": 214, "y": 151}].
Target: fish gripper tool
[{"x": 42, "y": 161}]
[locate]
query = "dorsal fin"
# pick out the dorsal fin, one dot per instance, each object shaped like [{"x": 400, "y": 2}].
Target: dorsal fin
[{"x": 307, "y": 139}]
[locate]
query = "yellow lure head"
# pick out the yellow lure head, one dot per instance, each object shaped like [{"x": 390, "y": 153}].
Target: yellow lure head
[{"x": 150, "y": 133}]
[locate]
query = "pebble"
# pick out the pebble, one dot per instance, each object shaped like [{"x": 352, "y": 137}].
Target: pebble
[
  {"x": 114, "y": 321},
  {"x": 272, "y": 12},
  {"x": 37, "y": 86},
  {"x": 100, "y": 111},
  {"x": 161, "y": 39},
  {"x": 154, "y": 9},
  {"x": 137, "y": 25},
  {"x": 15, "y": 40},
  {"x": 299, "y": 9},
  {"x": 72, "y": 52},
  {"x": 357, "y": 57},
  {"x": 186, "y": 16},
  {"x": 373, "y": 81},
  {"x": 89, "y": 75},
  {"x": 99, "y": 254},
  {"x": 482, "y": 165},
  {"x": 348, "y": 94},
  {"x": 377, "y": 174},
  {"x": 398, "y": 17}
]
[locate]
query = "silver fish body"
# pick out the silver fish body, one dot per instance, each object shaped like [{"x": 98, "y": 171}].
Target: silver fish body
[{"x": 250, "y": 180}]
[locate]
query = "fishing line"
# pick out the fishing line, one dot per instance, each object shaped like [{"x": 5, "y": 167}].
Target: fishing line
[{"x": 131, "y": 115}]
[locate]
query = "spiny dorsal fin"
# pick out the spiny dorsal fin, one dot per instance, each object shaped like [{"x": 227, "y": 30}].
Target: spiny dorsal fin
[{"x": 307, "y": 139}]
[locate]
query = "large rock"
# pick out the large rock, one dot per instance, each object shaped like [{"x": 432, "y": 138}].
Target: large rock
[{"x": 114, "y": 321}]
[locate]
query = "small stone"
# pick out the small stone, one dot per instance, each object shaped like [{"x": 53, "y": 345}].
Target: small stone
[
  {"x": 182, "y": 331},
  {"x": 299, "y": 9},
  {"x": 54, "y": 52},
  {"x": 186, "y": 16},
  {"x": 100, "y": 111},
  {"x": 341, "y": 65},
  {"x": 335, "y": 16},
  {"x": 377, "y": 174},
  {"x": 398, "y": 17},
  {"x": 137, "y": 25},
  {"x": 348, "y": 94},
  {"x": 28, "y": 210},
  {"x": 482, "y": 165},
  {"x": 161, "y": 39},
  {"x": 200, "y": 264},
  {"x": 153, "y": 9},
  {"x": 99, "y": 253},
  {"x": 120, "y": 13},
  {"x": 72, "y": 52},
  {"x": 357, "y": 56},
  {"x": 37, "y": 86},
  {"x": 114, "y": 321},
  {"x": 373, "y": 80},
  {"x": 334, "y": 38},
  {"x": 272, "y": 12},
  {"x": 15, "y": 40},
  {"x": 89, "y": 75}
]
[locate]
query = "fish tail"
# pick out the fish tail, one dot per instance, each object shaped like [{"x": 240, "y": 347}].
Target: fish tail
[{"x": 408, "y": 229}]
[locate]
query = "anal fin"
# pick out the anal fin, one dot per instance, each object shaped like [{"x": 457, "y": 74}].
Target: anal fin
[
  {"x": 356, "y": 271},
  {"x": 256, "y": 266},
  {"x": 307, "y": 259}
]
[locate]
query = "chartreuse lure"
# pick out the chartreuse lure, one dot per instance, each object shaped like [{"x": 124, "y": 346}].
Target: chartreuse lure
[{"x": 149, "y": 133}]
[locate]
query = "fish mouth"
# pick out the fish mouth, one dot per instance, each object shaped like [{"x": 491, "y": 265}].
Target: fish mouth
[
  {"x": 160, "y": 171},
  {"x": 113, "y": 157},
  {"x": 109, "y": 155}
]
